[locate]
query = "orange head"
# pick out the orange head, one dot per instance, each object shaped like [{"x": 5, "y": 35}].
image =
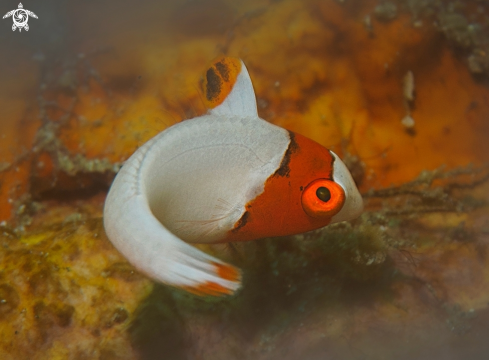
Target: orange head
[{"x": 311, "y": 189}]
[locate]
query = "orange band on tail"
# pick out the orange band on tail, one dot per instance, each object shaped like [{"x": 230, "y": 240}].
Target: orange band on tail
[
  {"x": 208, "y": 288},
  {"x": 220, "y": 79},
  {"x": 227, "y": 272}
]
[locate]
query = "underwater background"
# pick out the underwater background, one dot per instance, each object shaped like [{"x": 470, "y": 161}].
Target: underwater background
[{"x": 399, "y": 89}]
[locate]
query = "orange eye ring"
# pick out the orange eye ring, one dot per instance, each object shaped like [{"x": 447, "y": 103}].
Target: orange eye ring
[{"x": 322, "y": 198}]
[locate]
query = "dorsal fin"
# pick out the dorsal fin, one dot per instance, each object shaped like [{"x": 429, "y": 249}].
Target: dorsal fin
[{"x": 228, "y": 90}]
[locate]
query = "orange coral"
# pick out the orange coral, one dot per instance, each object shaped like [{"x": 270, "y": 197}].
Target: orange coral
[{"x": 328, "y": 70}]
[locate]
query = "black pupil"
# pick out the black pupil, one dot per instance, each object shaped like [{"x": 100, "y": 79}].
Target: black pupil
[{"x": 323, "y": 194}]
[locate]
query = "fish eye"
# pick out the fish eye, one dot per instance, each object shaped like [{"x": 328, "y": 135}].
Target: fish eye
[
  {"x": 322, "y": 198},
  {"x": 323, "y": 194}
]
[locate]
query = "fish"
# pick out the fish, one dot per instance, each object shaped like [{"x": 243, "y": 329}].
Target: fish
[{"x": 225, "y": 176}]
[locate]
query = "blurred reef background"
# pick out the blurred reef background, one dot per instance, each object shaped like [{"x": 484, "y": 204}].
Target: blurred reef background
[{"x": 399, "y": 89}]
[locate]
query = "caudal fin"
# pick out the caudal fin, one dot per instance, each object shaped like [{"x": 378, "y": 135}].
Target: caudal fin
[{"x": 153, "y": 249}]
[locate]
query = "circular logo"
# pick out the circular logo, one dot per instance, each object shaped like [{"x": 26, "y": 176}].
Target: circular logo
[{"x": 20, "y": 17}]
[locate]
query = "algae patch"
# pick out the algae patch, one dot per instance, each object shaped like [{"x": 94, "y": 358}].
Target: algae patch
[
  {"x": 51, "y": 281},
  {"x": 398, "y": 243}
]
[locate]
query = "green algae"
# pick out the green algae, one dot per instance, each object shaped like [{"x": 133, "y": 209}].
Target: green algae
[{"x": 50, "y": 282}]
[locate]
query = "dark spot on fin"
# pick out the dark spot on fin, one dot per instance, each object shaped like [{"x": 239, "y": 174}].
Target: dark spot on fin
[
  {"x": 241, "y": 222},
  {"x": 213, "y": 85},
  {"x": 219, "y": 80},
  {"x": 284, "y": 169},
  {"x": 223, "y": 70}
]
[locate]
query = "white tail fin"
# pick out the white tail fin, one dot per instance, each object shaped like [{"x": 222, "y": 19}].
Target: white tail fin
[{"x": 153, "y": 249}]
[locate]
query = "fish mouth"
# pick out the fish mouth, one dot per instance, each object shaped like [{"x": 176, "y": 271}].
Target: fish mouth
[{"x": 353, "y": 206}]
